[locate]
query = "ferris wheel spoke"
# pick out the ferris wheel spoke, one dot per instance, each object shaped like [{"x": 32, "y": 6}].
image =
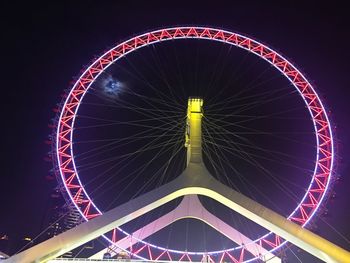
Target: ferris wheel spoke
[
  {"x": 247, "y": 117},
  {"x": 223, "y": 122},
  {"x": 119, "y": 158},
  {"x": 148, "y": 112},
  {"x": 235, "y": 148},
  {"x": 272, "y": 153},
  {"x": 179, "y": 73},
  {"x": 140, "y": 77},
  {"x": 157, "y": 72},
  {"x": 249, "y": 157},
  {"x": 117, "y": 140},
  {"x": 235, "y": 99},
  {"x": 166, "y": 121},
  {"x": 110, "y": 121},
  {"x": 233, "y": 76},
  {"x": 118, "y": 102},
  {"x": 129, "y": 139},
  {"x": 139, "y": 123},
  {"x": 220, "y": 66},
  {"x": 93, "y": 164},
  {"x": 127, "y": 162},
  {"x": 155, "y": 99},
  {"x": 160, "y": 70},
  {"x": 221, "y": 127},
  {"x": 238, "y": 135},
  {"x": 126, "y": 142},
  {"x": 174, "y": 153},
  {"x": 159, "y": 102},
  {"x": 141, "y": 169},
  {"x": 216, "y": 153},
  {"x": 155, "y": 132},
  {"x": 219, "y": 152},
  {"x": 251, "y": 145},
  {"x": 149, "y": 146},
  {"x": 269, "y": 155},
  {"x": 158, "y": 176},
  {"x": 264, "y": 99},
  {"x": 238, "y": 79},
  {"x": 216, "y": 165},
  {"x": 249, "y": 87},
  {"x": 176, "y": 149},
  {"x": 249, "y": 187},
  {"x": 239, "y": 108},
  {"x": 163, "y": 169},
  {"x": 221, "y": 171},
  {"x": 272, "y": 157},
  {"x": 151, "y": 112},
  {"x": 253, "y": 85},
  {"x": 131, "y": 177},
  {"x": 242, "y": 225}
]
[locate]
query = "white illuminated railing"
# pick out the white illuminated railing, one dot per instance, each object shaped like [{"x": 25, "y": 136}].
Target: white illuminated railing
[{"x": 82, "y": 260}]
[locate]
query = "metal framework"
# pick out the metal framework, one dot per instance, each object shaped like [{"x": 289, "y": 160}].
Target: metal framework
[
  {"x": 190, "y": 207},
  {"x": 319, "y": 183},
  {"x": 195, "y": 180}
]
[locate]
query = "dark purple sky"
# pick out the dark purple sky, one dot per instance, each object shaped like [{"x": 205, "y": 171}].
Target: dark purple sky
[{"x": 45, "y": 45}]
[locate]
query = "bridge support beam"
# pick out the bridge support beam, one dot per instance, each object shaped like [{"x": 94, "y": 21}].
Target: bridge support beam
[
  {"x": 195, "y": 180},
  {"x": 191, "y": 207}
]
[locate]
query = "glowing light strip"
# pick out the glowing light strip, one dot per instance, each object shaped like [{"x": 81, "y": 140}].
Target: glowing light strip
[{"x": 64, "y": 145}]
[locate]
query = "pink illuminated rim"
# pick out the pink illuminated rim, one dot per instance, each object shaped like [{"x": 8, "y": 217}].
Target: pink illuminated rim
[{"x": 325, "y": 153}]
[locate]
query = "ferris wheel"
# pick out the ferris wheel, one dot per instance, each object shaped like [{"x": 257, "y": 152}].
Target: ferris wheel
[{"x": 121, "y": 133}]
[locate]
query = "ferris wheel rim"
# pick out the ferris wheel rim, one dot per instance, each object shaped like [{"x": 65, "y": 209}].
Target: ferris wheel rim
[{"x": 323, "y": 133}]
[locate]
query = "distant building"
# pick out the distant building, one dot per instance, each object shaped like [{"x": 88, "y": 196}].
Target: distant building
[{"x": 60, "y": 217}]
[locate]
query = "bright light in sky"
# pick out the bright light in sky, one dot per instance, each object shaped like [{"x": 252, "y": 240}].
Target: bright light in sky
[{"x": 112, "y": 87}]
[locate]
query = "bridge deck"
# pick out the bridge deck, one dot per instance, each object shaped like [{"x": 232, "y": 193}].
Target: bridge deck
[{"x": 83, "y": 260}]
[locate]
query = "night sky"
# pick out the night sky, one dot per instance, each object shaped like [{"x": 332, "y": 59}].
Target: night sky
[{"x": 46, "y": 45}]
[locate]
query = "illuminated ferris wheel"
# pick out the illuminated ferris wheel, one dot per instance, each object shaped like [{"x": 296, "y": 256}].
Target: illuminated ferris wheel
[{"x": 122, "y": 128}]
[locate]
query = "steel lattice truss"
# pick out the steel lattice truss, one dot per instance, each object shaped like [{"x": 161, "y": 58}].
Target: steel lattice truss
[{"x": 325, "y": 154}]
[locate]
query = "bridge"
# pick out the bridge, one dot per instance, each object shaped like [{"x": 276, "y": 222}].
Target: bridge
[{"x": 195, "y": 180}]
